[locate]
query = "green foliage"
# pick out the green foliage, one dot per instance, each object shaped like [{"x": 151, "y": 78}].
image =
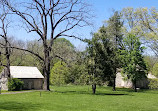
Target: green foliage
[
  {"x": 103, "y": 51},
  {"x": 78, "y": 74},
  {"x": 64, "y": 41},
  {"x": 150, "y": 62},
  {"x": 143, "y": 23},
  {"x": 62, "y": 74},
  {"x": 1, "y": 68},
  {"x": 155, "y": 70},
  {"x": 100, "y": 57},
  {"x": 114, "y": 30},
  {"x": 133, "y": 62},
  {"x": 114, "y": 33},
  {"x": 15, "y": 84},
  {"x": 64, "y": 49},
  {"x": 153, "y": 83},
  {"x": 58, "y": 73}
]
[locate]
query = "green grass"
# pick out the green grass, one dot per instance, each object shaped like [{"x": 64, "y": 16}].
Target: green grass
[{"x": 80, "y": 98}]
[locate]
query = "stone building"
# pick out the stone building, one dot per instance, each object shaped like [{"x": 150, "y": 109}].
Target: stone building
[
  {"x": 31, "y": 77},
  {"x": 126, "y": 83}
]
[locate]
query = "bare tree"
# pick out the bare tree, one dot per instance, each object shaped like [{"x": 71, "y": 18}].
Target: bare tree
[
  {"x": 51, "y": 19},
  {"x": 4, "y": 43}
]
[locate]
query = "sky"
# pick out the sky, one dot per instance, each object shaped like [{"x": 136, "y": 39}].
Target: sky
[{"x": 102, "y": 10}]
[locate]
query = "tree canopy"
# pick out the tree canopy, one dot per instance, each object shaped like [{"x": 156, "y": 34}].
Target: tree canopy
[{"x": 134, "y": 65}]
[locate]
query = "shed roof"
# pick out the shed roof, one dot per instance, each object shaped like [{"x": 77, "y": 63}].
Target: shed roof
[{"x": 25, "y": 72}]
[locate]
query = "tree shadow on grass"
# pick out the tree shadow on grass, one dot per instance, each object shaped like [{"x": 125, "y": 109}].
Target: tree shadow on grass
[
  {"x": 125, "y": 89},
  {"x": 18, "y": 106},
  {"x": 111, "y": 94},
  {"x": 138, "y": 91},
  {"x": 90, "y": 93}
]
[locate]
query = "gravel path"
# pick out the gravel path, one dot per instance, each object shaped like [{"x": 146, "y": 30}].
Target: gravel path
[{"x": 21, "y": 92}]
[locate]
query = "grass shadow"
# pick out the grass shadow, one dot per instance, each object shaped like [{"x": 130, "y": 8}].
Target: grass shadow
[
  {"x": 18, "y": 106},
  {"x": 90, "y": 93},
  {"x": 138, "y": 91},
  {"x": 111, "y": 94},
  {"x": 125, "y": 89},
  {"x": 150, "y": 91}
]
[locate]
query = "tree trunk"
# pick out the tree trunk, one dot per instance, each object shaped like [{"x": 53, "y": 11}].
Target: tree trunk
[
  {"x": 46, "y": 70},
  {"x": 114, "y": 88},
  {"x": 135, "y": 86},
  {"x": 8, "y": 65},
  {"x": 94, "y": 88},
  {"x": 46, "y": 79},
  {"x": 114, "y": 77},
  {"x": 7, "y": 52}
]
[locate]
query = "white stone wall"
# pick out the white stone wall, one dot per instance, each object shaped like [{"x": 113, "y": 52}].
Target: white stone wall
[
  {"x": 4, "y": 83},
  {"x": 120, "y": 82},
  {"x": 3, "y": 80}
]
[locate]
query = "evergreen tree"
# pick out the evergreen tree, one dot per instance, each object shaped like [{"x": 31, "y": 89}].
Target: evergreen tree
[
  {"x": 114, "y": 32},
  {"x": 100, "y": 58}
]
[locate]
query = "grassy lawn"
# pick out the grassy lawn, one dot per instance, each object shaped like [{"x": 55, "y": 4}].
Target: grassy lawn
[{"x": 79, "y": 98}]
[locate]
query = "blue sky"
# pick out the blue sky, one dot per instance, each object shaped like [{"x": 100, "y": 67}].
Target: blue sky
[
  {"x": 103, "y": 8},
  {"x": 102, "y": 11}
]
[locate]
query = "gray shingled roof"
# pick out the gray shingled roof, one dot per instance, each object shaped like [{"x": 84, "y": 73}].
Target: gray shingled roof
[{"x": 25, "y": 72}]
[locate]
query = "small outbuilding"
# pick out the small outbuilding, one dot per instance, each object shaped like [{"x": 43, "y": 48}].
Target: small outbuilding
[
  {"x": 127, "y": 83},
  {"x": 31, "y": 76}
]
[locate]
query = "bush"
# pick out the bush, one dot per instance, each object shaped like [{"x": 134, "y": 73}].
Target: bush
[
  {"x": 15, "y": 84},
  {"x": 153, "y": 83},
  {"x": 155, "y": 70},
  {"x": 58, "y": 74}
]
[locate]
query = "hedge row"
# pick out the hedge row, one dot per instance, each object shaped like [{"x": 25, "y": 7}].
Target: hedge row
[{"x": 153, "y": 83}]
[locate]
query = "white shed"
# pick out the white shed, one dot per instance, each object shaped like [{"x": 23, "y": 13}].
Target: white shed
[{"x": 31, "y": 76}]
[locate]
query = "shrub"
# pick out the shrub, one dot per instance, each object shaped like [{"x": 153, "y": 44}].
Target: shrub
[
  {"x": 155, "y": 69},
  {"x": 15, "y": 84},
  {"x": 58, "y": 74},
  {"x": 153, "y": 83}
]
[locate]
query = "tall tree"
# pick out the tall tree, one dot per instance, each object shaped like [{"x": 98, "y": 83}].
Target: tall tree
[
  {"x": 143, "y": 23},
  {"x": 100, "y": 58},
  {"x": 56, "y": 18},
  {"x": 114, "y": 32},
  {"x": 133, "y": 61},
  {"x": 5, "y": 50}
]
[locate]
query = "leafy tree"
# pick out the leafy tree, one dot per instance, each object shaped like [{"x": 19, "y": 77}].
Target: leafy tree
[
  {"x": 59, "y": 73},
  {"x": 100, "y": 58},
  {"x": 1, "y": 68},
  {"x": 143, "y": 23},
  {"x": 78, "y": 70},
  {"x": 65, "y": 41},
  {"x": 133, "y": 61},
  {"x": 155, "y": 70},
  {"x": 150, "y": 62},
  {"x": 64, "y": 50}
]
